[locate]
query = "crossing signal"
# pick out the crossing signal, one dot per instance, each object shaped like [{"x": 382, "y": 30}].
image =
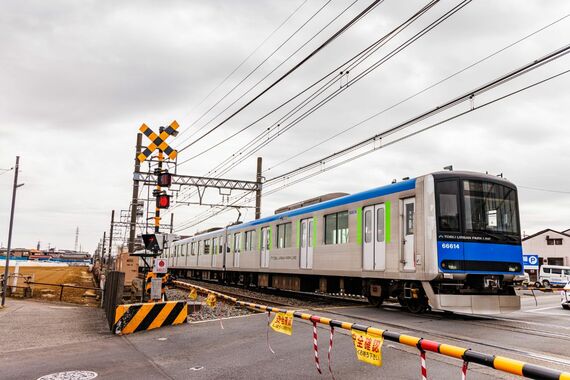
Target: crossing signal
[
  {"x": 163, "y": 201},
  {"x": 165, "y": 179},
  {"x": 151, "y": 242}
]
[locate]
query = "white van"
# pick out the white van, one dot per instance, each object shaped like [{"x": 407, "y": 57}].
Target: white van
[{"x": 555, "y": 275}]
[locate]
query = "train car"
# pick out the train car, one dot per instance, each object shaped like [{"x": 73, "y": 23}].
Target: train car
[{"x": 447, "y": 240}]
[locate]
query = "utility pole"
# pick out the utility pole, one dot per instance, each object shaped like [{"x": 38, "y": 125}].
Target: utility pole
[
  {"x": 135, "y": 198},
  {"x": 103, "y": 248},
  {"x": 111, "y": 235},
  {"x": 258, "y": 179},
  {"x": 8, "y": 251}
]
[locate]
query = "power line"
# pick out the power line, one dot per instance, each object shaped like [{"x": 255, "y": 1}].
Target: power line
[
  {"x": 303, "y": 61},
  {"x": 344, "y": 67},
  {"x": 467, "y": 96},
  {"x": 416, "y": 94},
  {"x": 245, "y": 60},
  {"x": 317, "y": 92},
  {"x": 251, "y": 73},
  {"x": 281, "y": 64},
  {"x": 545, "y": 190},
  {"x": 322, "y": 102}
]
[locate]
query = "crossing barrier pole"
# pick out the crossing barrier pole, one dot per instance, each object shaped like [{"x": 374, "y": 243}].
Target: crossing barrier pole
[{"x": 500, "y": 363}]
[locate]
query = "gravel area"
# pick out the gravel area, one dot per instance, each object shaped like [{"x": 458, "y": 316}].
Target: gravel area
[{"x": 199, "y": 311}]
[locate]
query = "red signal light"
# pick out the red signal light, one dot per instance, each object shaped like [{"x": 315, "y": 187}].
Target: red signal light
[{"x": 163, "y": 201}]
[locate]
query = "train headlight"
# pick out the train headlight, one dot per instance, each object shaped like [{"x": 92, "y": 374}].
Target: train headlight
[
  {"x": 514, "y": 268},
  {"x": 452, "y": 266}
]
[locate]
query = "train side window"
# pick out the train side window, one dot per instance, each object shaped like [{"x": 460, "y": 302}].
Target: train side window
[
  {"x": 336, "y": 228},
  {"x": 207, "y": 244},
  {"x": 237, "y": 238},
  {"x": 380, "y": 225},
  {"x": 448, "y": 205},
  {"x": 249, "y": 240},
  {"x": 284, "y": 235},
  {"x": 368, "y": 226}
]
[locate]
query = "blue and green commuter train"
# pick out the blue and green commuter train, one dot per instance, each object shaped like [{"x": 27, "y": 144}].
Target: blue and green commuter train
[{"x": 447, "y": 240}]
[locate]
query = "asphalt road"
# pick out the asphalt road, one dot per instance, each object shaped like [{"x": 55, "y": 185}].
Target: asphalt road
[{"x": 39, "y": 339}]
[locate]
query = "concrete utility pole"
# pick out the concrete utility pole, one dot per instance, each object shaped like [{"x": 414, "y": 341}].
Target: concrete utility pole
[
  {"x": 111, "y": 235},
  {"x": 7, "y": 264},
  {"x": 135, "y": 198},
  {"x": 258, "y": 179}
]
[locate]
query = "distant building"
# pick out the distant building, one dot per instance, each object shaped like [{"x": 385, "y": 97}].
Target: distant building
[{"x": 552, "y": 247}]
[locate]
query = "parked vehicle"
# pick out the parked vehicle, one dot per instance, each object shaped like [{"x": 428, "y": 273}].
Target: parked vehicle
[
  {"x": 523, "y": 279},
  {"x": 553, "y": 275},
  {"x": 565, "y": 293}
]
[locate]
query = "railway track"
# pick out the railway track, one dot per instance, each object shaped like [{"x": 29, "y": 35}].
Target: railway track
[{"x": 276, "y": 297}]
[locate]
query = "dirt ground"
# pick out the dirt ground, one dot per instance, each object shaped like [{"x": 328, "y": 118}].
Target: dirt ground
[{"x": 78, "y": 276}]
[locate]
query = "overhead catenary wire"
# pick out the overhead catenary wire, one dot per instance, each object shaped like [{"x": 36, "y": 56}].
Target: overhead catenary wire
[
  {"x": 466, "y": 96},
  {"x": 253, "y": 71},
  {"x": 282, "y": 129},
  {"x": 347, "y": 64},
  {"x": 369, "y": 50},
  {"x": 243, "y": 62},
  {"x": 493, "y": 101},
  {"x": 425, "y": 89},
  {"x": 251, "y": 88},
  {"x": 286, "y": 74}
]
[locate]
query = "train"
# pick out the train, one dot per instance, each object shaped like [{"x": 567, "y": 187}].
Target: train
[{"x": 447, "y": 240}]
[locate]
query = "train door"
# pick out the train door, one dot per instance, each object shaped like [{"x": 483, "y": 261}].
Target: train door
[
  {"x": 237, "y": 247},
  {"x": 306, "y": 254},
  {"x": 265, "y": 237},
  {"x": 214, "y": 251},
  {"x": 374, "y": 238},
  {"x": 408, "y": 234}
]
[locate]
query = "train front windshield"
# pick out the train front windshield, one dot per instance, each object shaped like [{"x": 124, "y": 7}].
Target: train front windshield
[{"x": 477, "y": 208}]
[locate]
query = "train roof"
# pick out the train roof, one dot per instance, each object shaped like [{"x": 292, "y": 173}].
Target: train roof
[
  {"x": 360, "y": 196},
  {"x": 372, "y": 193}
]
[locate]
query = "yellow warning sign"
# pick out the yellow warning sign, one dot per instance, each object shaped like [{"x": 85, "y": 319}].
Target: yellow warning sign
[
  {"x": 283, "y": 323},
  {"x": 368, "y": 347},
  {"x": 211, "y": 300},
  {"x": 193, "y": 294}
]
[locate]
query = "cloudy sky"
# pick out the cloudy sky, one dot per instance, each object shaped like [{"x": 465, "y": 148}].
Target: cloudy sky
[{"x": 79, "y": 77}]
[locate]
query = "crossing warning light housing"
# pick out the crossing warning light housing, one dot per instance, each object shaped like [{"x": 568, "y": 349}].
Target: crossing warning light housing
[
  {"x": 152, "y": 242},
  {"x": 163, "y": 201},
  {"x": 165, "y": 179}
]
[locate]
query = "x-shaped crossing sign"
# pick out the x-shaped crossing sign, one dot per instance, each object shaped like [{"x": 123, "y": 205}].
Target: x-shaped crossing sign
[{"x": 158, "y": 141}]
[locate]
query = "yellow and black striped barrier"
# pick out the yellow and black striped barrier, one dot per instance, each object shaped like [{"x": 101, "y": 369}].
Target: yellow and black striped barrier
[
  {"x": 148, "y": 316},
  {"x": 501, "y": 363}
]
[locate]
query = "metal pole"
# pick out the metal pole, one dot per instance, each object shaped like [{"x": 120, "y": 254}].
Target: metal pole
[
  {"x": 8, "y": 252},
  {"x": 171, "y": 222},
  {"x": 135, "y": 197},
  {"x": 158, "y": 189},
  {"x": 103, "y": 255},
  {"x": 258, "y": 179},
  {"x": 111, "y": 235}
]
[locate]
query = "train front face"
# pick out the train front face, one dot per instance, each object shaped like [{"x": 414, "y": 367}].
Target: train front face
[{"x": 478, "y": 243}]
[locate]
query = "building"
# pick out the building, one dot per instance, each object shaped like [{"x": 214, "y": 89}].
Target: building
[{"x": 551, "y": 246}]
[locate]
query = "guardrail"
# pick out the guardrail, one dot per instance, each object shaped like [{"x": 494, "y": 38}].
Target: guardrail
[
  {"x": 500, "y": 363},
  {"x": 28, "y": 282}
]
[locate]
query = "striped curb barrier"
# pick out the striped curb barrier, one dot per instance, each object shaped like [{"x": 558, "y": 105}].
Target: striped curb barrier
[
  {"x": 467, "y": 355},
  {"x": 147, "y": 316}
]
